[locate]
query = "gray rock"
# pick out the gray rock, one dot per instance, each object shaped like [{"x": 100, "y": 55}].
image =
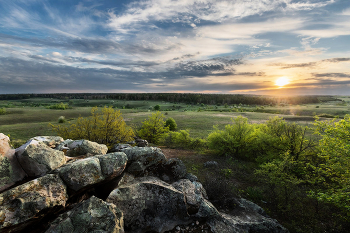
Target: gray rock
[
  {"x": 141, "y": 143},
  {"x": 50, "y": 141},
  {"x": 119, "y": 147},
  {"x": 211, "y": 164},
  {"x": 10, "y": 170},
  {"x": 83, "y": 147},
  {"x": 150, "y": 204},
  {"x": 112, "y": 164},
  {"x": 31, "y": 200},
  {"x": 92, "y": 215},
  {"x": 38, "y": 159},
  {"x": 191, "y": 177},
  {"x": 81, "y": 173},
  {"x": 174, "y": 169}
]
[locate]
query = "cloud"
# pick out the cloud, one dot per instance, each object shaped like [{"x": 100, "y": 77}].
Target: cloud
[
  {"x": 332, "y": 75},
  {"x": 310, "y": 64}
]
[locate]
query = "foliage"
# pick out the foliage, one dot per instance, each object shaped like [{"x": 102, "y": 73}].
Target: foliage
[
  {"x": 153, "y": 128},
  {"x": 170, "y": 122},
  {"x": 236, "y": 139},
  {"x": 182, "y": 139},
  {"x": 61, "y": 119},
  {"x": 2, "y": 111},
  {"x": 107, "y": 127},
  {"x": 157, "y": 107},
  {"x": 61, "y": 106},
  {"x": 332, "y": 170}
]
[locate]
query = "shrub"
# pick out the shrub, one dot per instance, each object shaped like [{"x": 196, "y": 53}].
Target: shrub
[
  {"x": 61, "y": 119},
  {"x": 58, "y": 106},
  {"x": 107, "y": 127},
  {"x": 235, "y": 140},
  {"x": 157, "y": 107},
  {"x": 153, "y": 128},
  {"x": 182, "y": 139},
  {"x": 170, "y": 122},
  {"x": 2, "y": 111}
]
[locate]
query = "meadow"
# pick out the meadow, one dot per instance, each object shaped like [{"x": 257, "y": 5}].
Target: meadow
[{"x": 26, "y": 118}]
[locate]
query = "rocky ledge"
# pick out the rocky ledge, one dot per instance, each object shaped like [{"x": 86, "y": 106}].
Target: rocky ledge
[{"x": 60, "y": 186}]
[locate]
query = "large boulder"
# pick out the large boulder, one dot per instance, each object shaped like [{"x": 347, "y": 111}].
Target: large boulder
[
  {"x": 83, "y": 173},
  {"x": 92, "y": 215},
  {"x": 10, "y": 170},
  {"x": 150, "y": 205},
  {"x": 31, "y": 201},
  {"x": 85, "y": 147},
  {"x": 38, "y": 159},
  {"x": 50, "y": 141}
]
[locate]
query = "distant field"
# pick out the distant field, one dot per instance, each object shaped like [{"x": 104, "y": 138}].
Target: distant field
[{"x": 30, "y": 117}]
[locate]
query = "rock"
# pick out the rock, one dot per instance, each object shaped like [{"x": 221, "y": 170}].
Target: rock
[
  {"x": 150, "y": 204},
  {"x": 83, "y": 147},
  {"x": 50, "y": 141},
  {"x": 31, "y": 200},
  {"x": 144, "y": 160},
  {"x": 92, "y": 215},
  {"x": 38, "y": 159},
  {"x": 141, "y": 142},
  {"x": 81, "y": 173},
  {"x": 10, "y": 170},
  {"x": 211, "y": 164},
  {"x": 173, "y": 169},
  {"x": 112, "y": 164},
  {"x": 89, "y": 171},
  {"x": 63, "y": 146},
  {"x": 191, "y": 177},
  {"x": 119, "y": 147}
]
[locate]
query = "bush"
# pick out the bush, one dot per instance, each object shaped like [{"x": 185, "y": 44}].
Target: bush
[
  {"x": 170, "y": 122},
  {"x": 2, "y": 111},
  {"x": 153, "y": 128},
  {"x": 61, "y": 119},
  {"x": 107, "y": 127},
  {"x": 61, "y": 106},
  {"x": 182, "y": 139},
  {"x": 157, "y": 107},
  {"x": 236, "y": 139}
]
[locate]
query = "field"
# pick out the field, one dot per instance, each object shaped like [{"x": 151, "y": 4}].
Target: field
[
  {"x": 30, "y": 117},
  {"x": 27, "y": 118}
]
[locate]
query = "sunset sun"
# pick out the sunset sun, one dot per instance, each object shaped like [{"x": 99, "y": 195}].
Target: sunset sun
[{"x": 282, "y": 81}]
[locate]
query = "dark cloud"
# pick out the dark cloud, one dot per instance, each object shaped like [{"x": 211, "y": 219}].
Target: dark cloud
[
  {"x": 332, "y": 75},
  {"x": 252, "y": 74}
]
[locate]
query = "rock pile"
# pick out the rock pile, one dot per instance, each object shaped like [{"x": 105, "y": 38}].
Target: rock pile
[{"x": 54, "y": 185}]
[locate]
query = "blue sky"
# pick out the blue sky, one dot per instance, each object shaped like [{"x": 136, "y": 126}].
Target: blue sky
[{"x": 206, "y": 46}]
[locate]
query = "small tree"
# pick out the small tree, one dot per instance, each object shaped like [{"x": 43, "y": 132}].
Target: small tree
[
  {"x": 170, "y": 122},
  {"x": 153, "y": 128},
  {"x": 157, "y": 107},
  {"x": 107, "y": 127}
]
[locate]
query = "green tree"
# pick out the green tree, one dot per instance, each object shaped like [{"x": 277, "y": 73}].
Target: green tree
[
  {"x": 153, "y": 128},
  {"x": 237, "y": 139},
  {"x": 2, "y": 111},
  {"x": 170, "y": 122},
  {"x": 107, "y": 127},
  {"x": 157, "y": 107}
]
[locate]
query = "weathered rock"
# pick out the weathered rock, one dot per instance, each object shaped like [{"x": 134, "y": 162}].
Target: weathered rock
[
  {"x": 31, "y": 200},
  {"x": 81, "y": 173},
  {"x": 83, "y": 147},
  {"x": 141, "y": 142},
  {"x": 92, "y": 215},
  {"x": 150, "y": 204},
  {"x": 112, "y": 164},
  {"x": 144, "y": 160},
  {"x": 50, "y": 141},
  {"x": 38, "y": 159},
  {"x": 211, "y": 164},
  {"x": 10, "y": 170},
  {"x": 173, "y": 169},
  {"x": 119, "y": 147}
]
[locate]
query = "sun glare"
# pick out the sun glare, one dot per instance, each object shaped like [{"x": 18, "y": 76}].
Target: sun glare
[{"x": 282, "y": 81}]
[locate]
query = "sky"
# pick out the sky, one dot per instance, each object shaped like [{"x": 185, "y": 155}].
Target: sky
[{"x": 269, "y": 47}]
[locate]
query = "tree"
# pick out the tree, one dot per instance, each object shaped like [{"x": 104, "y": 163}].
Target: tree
[
  {"x": 107, "y": 127},
  {"x": 157, "y": 107},
  {"x": 170, "y": 122},
  {"x": 153, "y": 128}
]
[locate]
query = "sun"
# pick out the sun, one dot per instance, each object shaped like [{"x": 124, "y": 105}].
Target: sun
[{"x": 282, "y": 81}]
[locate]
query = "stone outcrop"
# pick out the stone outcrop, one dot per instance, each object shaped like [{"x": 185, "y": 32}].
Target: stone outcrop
[
  {"x": 31, "y": 201},
  {"x": 92, "y": 215},
  {"x": 136, "y": 190},
  {"x": 10, "y": 170},
  {"x": 37, "y": 159},
  {"x": 84, "y": 147}
]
